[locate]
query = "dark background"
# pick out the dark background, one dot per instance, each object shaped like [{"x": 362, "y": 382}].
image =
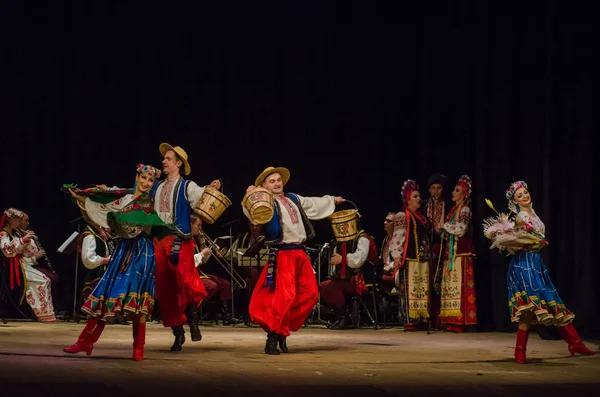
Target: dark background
[{"x": 353, "y": 97}]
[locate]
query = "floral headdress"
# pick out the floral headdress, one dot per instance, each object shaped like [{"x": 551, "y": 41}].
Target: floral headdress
[
  {"x": 10, "y": 213},
  {"x": 148, "y": 169},
  {"x": 510, "y": 193},
  {"x": 407, "y": 189},
  {"x": 466, "y": 185}
]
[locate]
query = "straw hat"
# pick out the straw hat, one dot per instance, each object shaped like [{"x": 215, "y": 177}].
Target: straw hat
[
  {"x": 284, "y": 172},
  {"x": 165, "y": 147}
]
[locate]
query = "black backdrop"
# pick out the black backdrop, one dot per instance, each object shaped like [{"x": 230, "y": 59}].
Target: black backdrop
[{"x": 353, "y": 97}]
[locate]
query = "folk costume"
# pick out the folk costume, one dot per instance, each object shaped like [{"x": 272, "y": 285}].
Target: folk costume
[
  {"x": 178, "y": 286},
  {"x": 410, "y": 242},
  {"x": 213, "y": 284},
  {"x": 458, "y": 302},
  {"x": 127, "y": 286},
  {"x": 530, "y": 289},
  {"x": 436, "y": 211},
  {"x": 42, "y": 264},
  {"x": 18, "y": 273},
  {"x": 349, "y": 277},
  {"x": 95, "y": 245},
  {"x": 286, "y": 291},
  {"x": 387, "y": 282}
]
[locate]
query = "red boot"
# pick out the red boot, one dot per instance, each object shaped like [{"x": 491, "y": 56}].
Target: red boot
[
  {"x": 87, "y": 338},
  {"x": 521, "y": 347},
  {"x": 570, "y": 335},
  {"x": 139, "y": 340}
]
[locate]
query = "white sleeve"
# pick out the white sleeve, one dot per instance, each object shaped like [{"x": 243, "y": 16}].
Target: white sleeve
[
  {"x": 194, "y": 192},
  {"x": 11, "y": 248},
  {"x": 399, "y": 236},
  {"x": 99, "y": 212},
  {"x": 358, "y": 257},
  {"x": 90, "y": 259},
  {"x": 317, "y": 207},
  {"x": 198, "y": 259},
  {"x": 461, "y": 223}
]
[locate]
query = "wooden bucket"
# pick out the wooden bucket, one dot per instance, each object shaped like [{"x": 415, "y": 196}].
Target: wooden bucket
[
  {"x": 259, "y": 204},
  {"x": 344, "y": 224},
  {"x": 211, "y": 205}
]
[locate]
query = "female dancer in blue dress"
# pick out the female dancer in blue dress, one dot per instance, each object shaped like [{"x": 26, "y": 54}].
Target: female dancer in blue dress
[
  {"x": 532, "y": 296},
  {"x": 128, "y": 284}
]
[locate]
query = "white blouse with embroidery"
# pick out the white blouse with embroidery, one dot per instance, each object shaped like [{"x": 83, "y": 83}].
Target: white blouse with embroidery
[
  {"x": 163, "y": 199},
  {"x": 315, "y": 208},
  {"x": 13, "y": 246},
  {"x": 461, "y": 225},
  {"x": 98, "y": 213},
  {"x": 526, "y": 221},
  {"x": 399, "y": 235}
]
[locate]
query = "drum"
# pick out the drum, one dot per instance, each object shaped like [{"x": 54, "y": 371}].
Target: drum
[
  {"x": 344, "y": 224},
  {"x": 211, "y": 205},
  {"x": 259, "y": 204}
]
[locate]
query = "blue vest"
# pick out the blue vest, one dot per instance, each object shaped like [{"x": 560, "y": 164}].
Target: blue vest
[
  {"x": 273, "y": 230},
  {"x": 180, "y": 205}
]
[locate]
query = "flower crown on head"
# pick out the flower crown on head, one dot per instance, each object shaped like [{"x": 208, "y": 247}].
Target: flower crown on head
[
  {"x": 14, "y": 213},
  {"x": 513, "y": 189},
  {"x": 407, "y": 189},
  {"x": 148, "y": 169},
  {"x": 466, "y": 184}
]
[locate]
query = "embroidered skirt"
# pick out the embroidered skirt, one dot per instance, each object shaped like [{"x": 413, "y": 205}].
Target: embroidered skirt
[
  {"x": 128, "y": 284},
  {"x": 530, "y": 289}
]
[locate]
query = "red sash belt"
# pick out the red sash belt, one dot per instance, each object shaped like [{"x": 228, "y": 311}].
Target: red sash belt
[{"x": 14, "y": 265}]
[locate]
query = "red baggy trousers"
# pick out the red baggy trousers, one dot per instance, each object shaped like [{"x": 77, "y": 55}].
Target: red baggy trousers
[
  {"x": 176, "y": 285},
  {"x": 285, "y": 308}
]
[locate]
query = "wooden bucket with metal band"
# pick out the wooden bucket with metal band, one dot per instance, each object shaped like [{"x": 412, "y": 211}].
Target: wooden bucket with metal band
[
  {"x": 259, "y": 204},
  {"x": 211, "y": 205},
  {"x": 345, "y": 224}
]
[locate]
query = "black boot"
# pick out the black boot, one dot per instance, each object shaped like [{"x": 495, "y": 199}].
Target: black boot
[
  {"x": 341, "y": 317},
  {"x": 271, "y": 345},
  {"x": 179, "y": 333},
  {"x": 282, "y": 343},
  {"x": 191, "y": 312},
  {"x": 226, "y": 316}
]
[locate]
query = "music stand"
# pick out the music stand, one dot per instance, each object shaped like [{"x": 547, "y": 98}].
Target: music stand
[
  {"x": 68, "y": 247},
  {"x": 317, "y": 308},
  {"x": 253, "y": 251}
]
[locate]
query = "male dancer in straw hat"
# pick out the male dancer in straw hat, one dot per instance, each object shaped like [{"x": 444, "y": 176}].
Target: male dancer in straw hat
[
  {"x": 287, "y": 289},
  {"x": 179, "y": 289}
]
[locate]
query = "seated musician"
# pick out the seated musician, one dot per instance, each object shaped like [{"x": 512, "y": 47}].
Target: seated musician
[
  {"x": 347, "y": 278},
  {"x": 213, "y": 284},
  {"x": 16, "y": 253},
  {"x": 387, "y": 279},
  {"x": 39, "y": 260},
  {"x": 95, "y": 247}
]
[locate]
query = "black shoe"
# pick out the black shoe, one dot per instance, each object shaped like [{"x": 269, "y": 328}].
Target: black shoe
[
  {"x": 341, "y": 316},
  {"x": 226, "y": 317},
  {"x": 195, "y": 332},
  {"x": 282, "y": 343},
  {"x": 271, "y": 345},
  {"x": 179, "y": 333}
]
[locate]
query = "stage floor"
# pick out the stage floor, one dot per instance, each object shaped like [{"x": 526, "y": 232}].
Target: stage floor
[{"x": 229, "y": 361}]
